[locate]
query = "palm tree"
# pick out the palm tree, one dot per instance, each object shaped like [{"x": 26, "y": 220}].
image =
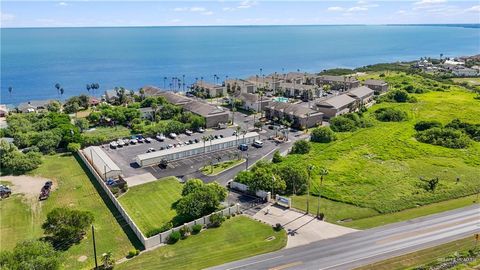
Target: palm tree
[
  {"x": 323, "y": 172},
  {"x": 10, "y": 90},
  {"x": 58, "y": 86},
  {"x": 62, "y": 91},
  {"x": 107, "y": 260},
  {"x": 88, "y": 87},
  {"x": 237, "y": 132},
  {"x": 204, "y": 139},
  {"x": 154, "y": 108},
  {"x": 164, "y": 81}
]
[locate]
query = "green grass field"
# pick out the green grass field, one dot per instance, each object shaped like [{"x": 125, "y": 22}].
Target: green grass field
[
  {"x": 422, "y": 257},
  {"x": 237, "y": 238},
  {"x": 219, "y": 167},
  {"x": 378, "y": 168},
  {"x": 150, "y": 204},
  {"x": 75, "y": 190},
  {"x": 110, "y": 133}
]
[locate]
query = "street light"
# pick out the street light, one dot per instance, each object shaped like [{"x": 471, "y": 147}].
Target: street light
[
  {"x": 310, "y": 168},
  {"x": 246, "y": 162},
  {"x": 323, "y": 173}
]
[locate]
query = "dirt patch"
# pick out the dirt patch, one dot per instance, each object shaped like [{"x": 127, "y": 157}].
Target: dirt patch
[{"x": 29, "y": 186}]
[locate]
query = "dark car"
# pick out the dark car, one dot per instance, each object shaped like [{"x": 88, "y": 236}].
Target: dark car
[
  {"x": 243, "y": 147},
  {"x": 196, "y": 141},
  {"x": 190, "y": 141}
]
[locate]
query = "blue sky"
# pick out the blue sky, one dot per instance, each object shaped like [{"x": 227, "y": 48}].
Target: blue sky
[{"x": 170, "y": 13}]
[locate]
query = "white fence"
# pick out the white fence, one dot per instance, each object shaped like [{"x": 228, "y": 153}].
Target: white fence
[
  {"x": 160, "y": 238},
  {"x": 244, "y": 188}
]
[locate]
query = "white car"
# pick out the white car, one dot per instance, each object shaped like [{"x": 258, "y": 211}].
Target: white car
[
  {"x": 120, "y": 142},
  {"x": 148, "y": 140},
  {"x": 173, "y": 135},
  {"x": 133, "y": 141},
  {"x": 201, "y": 130},
  {"x": 257, "y": 143},
  {"x": 188, "y": 132},
  {"x": 113, "y": 144},
  {"x": 150, "y": 150},
  {"x": 160, "y": 137}
]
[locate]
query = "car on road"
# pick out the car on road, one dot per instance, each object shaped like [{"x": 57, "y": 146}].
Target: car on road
[
  {"x": 191, "y": 141},
  {"x": 257, "y": 144},
  {"x": 160, "y": 137},
  {"x": 243, "y": 147},
  {"x": 151, "y": 150},
  {"x": 126, "y": 141},
  {"x": 113, "y": 145},
  {"x": 161, "y": 148},
  {"x": 148, "y": 140},
  {"x": 201, "y": 130},
  {"x": 220, "y": 136},
  {"x": 172, "y": 135},
  {"x": 188, "y": 132}
]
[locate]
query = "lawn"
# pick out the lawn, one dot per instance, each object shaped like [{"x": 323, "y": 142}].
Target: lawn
[
  {"x": 75, "y": 190},
  {"x": 219, "y": 167},
  {"x": 423, "y": 257},
  {"x": 472, "y": 81},
  {"x": 238, "y": 237},
  {"x": 109, "y": 133},
  {"x": 379, "y": 167},
  {"x": 151, "y": 205}
]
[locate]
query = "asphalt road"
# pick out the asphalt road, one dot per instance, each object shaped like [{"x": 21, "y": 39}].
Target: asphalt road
[{"x": 364, "y": 247}]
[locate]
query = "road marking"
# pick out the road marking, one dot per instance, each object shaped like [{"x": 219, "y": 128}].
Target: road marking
[
  {"x": 269, "y": 259},
  {"x": 285, "y": 266}
]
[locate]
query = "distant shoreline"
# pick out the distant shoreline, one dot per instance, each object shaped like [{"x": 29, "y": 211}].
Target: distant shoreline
[{"x": 463, "y": 25}]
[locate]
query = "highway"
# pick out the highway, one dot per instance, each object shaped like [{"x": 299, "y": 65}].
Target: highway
[{"x": 364, "y": 247}]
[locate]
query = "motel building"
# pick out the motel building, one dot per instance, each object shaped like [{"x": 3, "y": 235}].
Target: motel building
[{"x": 191, "y": 150}]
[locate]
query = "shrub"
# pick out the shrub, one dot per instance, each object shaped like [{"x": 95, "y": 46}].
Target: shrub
[
  {"x": 277, "y": 158},
  {"x": 400, "y": 96},
  {"x": 342, "y": 124},
  {"x": 278, "y": 227},
  {"x": 301, "y": 147},
  {"x": 424, "y": 125},
  {"x": 472, "y": 130},
  {"x": 196, "y": 228},
  {"x": 132, "y": 253},
  {"x": 446, "y": 137},
  {"x": 323, "y": 135},
  {"x": 73, "y": 147},
  {"x": 216, "y": 220},
  {"x": 173, "y": 237},
  {"x": 185, "y": 231},
  {"x": 390, "y": 115}
]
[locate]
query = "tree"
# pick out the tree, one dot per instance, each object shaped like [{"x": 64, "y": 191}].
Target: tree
[
  {"x": 31, "y": 254},
  {"x": 430, "y": 184},
  {"x": 295, "y": 177},
  {"x": 66, "y": 226},
  {"x": 191, "y": 186},
  {"x": 390, "y": 115},
  {"x": 82, "y": 124},
  {"x": 300, "y": 147},
  {"x": 277, "y": 158},
  {"x": 107, "y": 260},
  {"x": 14, "y": 161},
  {"x": 73, "y": 147},
  {"x": 424, "y": 125},
  {"x": 201, "y": 199},
  {"x": 342, "y": 124},
  {"x": 323, "y": 135},
  {"x": 54, "y": 106}
]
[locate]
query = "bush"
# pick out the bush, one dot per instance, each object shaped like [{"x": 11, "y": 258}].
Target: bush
[
  {"x": 472, "y": 130},
  {"x": 173, "y": 237},
  {"x": 446, "y": 137},
  {"x": 342, "y": 124},
  {"x": 73, "y": 147},
  {"x": 31, "y": 254},
  {"x": 132, "y": 253},
  {"x": 301, "y": 147},
  {"x": 400, "y": 96},
  {"x": 323, "y": 135},
  {"x": 216, "y": 220},
  {"x": 277, "y": 158},
  {"x": 185, "y": 231},
  {"x": 196, "y": 228},
  {"x": 278, "y": 227},
  {"x": 390, "y": 115},
  {"x": 424, "y": 125}
]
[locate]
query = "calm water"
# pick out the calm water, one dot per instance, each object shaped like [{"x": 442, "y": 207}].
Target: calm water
[{"x": 33, "y": 60}]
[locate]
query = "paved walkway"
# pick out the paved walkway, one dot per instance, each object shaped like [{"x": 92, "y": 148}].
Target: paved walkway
[
  {"x": 140, "y": 179},
  {"x": 302, "y": 229}
]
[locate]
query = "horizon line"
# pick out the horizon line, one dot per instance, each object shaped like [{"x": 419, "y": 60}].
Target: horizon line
[{"x": 247, "y": 25}]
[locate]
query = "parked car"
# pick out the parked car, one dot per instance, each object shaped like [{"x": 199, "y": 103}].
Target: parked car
[
  {"x": 110, "y": 182},
  {"x": 45, "y": 191},
  {"x": 148, "y": 140},
  {"x": 150, "y": 150},
  {"x": 220, "y": 136},
  {"x": 196, "y": 141},
  {"x": 160, "y": 137},
  {"x": 172, "y": 135},
  {"x": 191, "y": 141},
  {"x": 243, "y": 147},
  {"x": 257, "y": 144},
  {"x": 113, "y": 145},
  {"x": 201, "y": 130},
  {"x": 215, "y": 137},
  {"x": 169, "y": 146},
  {"x": 120, "y": 143},
  {"x": 188, "y": 132},
  {"x": 5, "y": 191},
  {"x": 126, "y": 141},
  {"x": 133, "y": 141},
  {"x": 161, "y": 148},
  {"x": 187, "y": 142},
  {"x": 140, "y": 139}
]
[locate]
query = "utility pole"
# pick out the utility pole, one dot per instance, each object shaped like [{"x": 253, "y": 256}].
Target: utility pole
[
  {"x": 94, "y": 247},
  {"x": 310, "y": 168},
  {"x": 246, "y": 162}
]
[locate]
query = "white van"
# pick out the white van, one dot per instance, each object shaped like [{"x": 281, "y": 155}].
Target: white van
[{"x": 257, "y": 143}]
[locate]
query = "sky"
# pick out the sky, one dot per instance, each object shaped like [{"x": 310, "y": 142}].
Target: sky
[{"x": 186, "y": 13}]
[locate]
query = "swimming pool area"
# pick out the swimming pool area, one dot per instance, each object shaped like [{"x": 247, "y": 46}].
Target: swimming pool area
[{"x": 280, "y": 99}]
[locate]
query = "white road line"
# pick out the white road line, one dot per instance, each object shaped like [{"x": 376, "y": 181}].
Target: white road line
[{"x": 269, "y": 259}]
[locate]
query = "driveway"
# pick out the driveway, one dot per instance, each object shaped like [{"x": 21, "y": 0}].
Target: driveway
[{"x": 302, "y": 229}]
